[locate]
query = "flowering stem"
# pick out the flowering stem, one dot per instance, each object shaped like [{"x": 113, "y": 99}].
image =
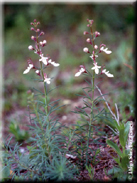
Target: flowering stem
[
  {"x": 91, "y": 116},
  {"x": 46, "y": 100},
  {"x": 45, "y": 91}
]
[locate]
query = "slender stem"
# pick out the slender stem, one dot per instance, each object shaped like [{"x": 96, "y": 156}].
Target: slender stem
[
  {"x": 46, "y": 100},
  {"x": 91, "y": 116},
  {"x": 45, "y": 90}
]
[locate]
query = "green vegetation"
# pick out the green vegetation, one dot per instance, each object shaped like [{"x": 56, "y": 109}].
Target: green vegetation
[{"x": 50, "y": 142}]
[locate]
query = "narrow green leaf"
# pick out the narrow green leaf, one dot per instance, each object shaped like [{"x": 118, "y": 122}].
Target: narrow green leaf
[
  {"x": 126, "y": 131},
  {"x": 122, "y": 137},
  {"x": 115, "y": 147},
  {"x": 38, "y": 91}
]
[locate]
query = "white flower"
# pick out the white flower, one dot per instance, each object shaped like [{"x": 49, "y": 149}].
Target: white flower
[
  {"x": 92, "y": 56},
  {"x": 80, "y": 71},
  {"x": 85, "y": 49},
  {"x": 47, "y": 80},
  {"x": 105, "y": 50},
  {"x": 96, "y": 68},
  {"x": 53, "y": 63},
  {"x": 28, "y": 69},
  {"x": 107, "y": 73},
  {"x": 44, "y": 59}
]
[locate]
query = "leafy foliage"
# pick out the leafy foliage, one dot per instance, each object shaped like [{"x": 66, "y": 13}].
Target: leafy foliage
[{"x": 56, "y": 152}]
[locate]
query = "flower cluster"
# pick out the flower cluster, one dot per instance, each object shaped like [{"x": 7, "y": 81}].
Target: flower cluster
[
  {"x": 94, "y": 54},
  {"x": 37, "y": 50}
]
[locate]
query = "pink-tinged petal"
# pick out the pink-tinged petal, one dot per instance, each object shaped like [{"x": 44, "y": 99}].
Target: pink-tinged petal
[
  {"x": 102, "y": 45},
  {"x": 85, "y": 32},
  {"x": 97, "y": 33}
]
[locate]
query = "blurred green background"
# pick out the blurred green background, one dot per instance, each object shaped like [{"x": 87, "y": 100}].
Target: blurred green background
[{"x": 64, "y": 25}]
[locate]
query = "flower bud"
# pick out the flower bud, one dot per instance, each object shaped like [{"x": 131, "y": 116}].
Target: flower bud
[
  {"x": 41, "y": 43},
  {"x": 38, "y": 23},
  {"x": 32, "y": 37},
  {"x": 97, "y": 33},
  {"x": 44, "y": 41},
  {"x": 32, "y": 23},
  {"x": 37, "y": 72},
  {"x": 32, "y": 28},
  {"x": 88, "y": 40},
  {"x": 91, "y": 22},
  {"x": 29, "y": 92},
  {"x": 85, "y": 49},
  {"x": 35, "y": 20},
  {"x": 37, "y": 30},
  {"x": 41, "y": 34},
  {"x": 85, "y": 32},
  {"x": 30, "y": 47},
  {"x": 96, "y": 47}
]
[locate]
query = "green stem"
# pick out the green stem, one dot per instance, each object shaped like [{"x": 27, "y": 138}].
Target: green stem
[
  {"x": 45, "y": 90},
  {"x": 92, "y": 100},
  {"x": 46, "y": 100},
  {"x": 91, "y": 117}
]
